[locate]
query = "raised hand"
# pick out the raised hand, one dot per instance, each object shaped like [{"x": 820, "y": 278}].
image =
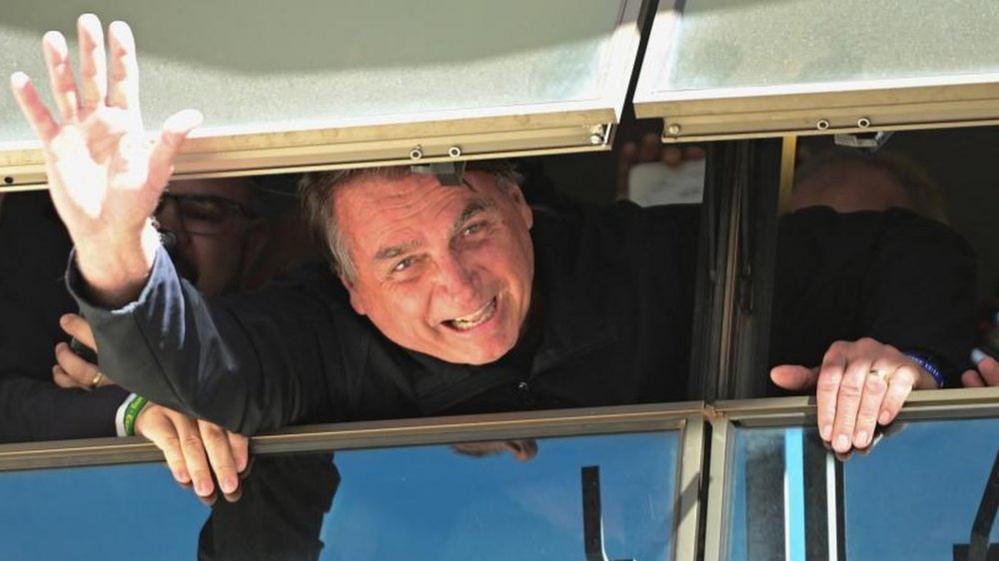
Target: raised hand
[{"x": 104, "y": 174}]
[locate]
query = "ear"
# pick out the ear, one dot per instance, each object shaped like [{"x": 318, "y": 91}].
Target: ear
[
  {"x": 356, "y": 299},
  {"x": 521, "y": 203}
]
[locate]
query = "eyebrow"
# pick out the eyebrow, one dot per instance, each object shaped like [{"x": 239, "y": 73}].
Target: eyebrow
[
  {"x": 475, "y": 207},
  {"x": 393, "y": 251}
]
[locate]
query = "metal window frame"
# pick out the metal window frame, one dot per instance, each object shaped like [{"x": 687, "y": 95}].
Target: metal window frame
[
  {"x": 686, "y": 417},
  {"x": 480, "y": 133},
  {"x": 725, "y": 416},
  {"x": 805, "y": 109}
]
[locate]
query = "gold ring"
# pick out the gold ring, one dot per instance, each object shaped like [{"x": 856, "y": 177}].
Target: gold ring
[
  {"x": 878, "y": 374},
  {"x": 97, "y": 379}
]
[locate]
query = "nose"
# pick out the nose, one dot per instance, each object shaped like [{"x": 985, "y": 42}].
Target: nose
[{"x": 456, "y": 280}]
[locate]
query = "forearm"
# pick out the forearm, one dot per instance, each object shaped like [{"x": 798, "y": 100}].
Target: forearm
[
  {"x": 33, "y": 409},
  {"x": 116, "y": 270},
  {"x": 239, "y": 366}
]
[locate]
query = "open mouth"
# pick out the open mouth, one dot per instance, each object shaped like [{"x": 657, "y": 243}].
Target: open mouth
[{"x": 474, "y": 319}]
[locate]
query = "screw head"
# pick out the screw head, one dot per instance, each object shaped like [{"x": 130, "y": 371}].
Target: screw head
[
  {"x": 673, "y": 130},
  {"x": 863, "y": 122},
  {"x": 822, "y": 124},
  {"x": 454, "y": 151},
  {"x": 416, "y": 153}
]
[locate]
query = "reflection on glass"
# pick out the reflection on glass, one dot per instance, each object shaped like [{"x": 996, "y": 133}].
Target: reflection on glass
[
  {"x": 744, "y": 43},
  {"x": 289, "y": 64},
  {"x": 519, "y": 499},
  {"x": 914, "y": 495}
]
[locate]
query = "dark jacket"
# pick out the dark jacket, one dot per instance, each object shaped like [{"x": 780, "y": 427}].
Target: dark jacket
[
  {"x": 34, "y": 247},
  {"x": 892, "y": 276},
  {"x": 610, "y": 324}
]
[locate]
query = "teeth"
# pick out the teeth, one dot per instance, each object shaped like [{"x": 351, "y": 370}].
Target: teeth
[{"x": 476, "y": 318}]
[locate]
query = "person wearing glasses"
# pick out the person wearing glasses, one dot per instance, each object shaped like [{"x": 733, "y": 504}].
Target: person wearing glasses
[{"x": 214, "y": 230}]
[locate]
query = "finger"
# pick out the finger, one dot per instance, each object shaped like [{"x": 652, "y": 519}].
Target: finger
[
  {"x": 691, "y": 153},
  {"x": 63, "y": 380},
  {"x": 794, "y": 378},
  {"x": 988, "y": 367},
  {"x": 175, "y": 130},
  {"x": 900, "y": 385},
  {"x": 194, "y": 454},
  {"x": 123, "y": 71},
  {"x": 650, "y": 148},
  {"x": 77, "y": 368},
  {"x": 220, "y": 456},
  {"x": 154, "y": 425},
  {"x": 827, "y": 391},
  {"x": 78, "y": 328},
  {"x": 240, "y": 446},
  {"x": 61, "y": 75},
  {"x": 672, "y": 156},
  {"x": 93, "y": 62},
  {"x": 971, "y": 379},
  {"x": 36, "y": 113},
  {"x": 851, "y": 389},
  {"x": 871, "y": 401}
]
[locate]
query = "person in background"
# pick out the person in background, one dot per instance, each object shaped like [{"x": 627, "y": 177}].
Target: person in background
[{"x": 221, "y": 233}]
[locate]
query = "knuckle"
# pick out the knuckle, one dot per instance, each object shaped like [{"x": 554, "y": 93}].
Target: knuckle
[
  {"x": 829, "y": 383},
  {"x": 191, "y": 443},
  {"x": 875, "y": 385}
]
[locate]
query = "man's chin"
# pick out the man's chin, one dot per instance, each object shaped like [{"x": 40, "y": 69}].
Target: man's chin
[{"x": 476, "y": 355}]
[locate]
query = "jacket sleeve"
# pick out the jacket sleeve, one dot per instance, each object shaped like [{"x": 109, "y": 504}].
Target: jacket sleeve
[
  {"x": 34, "y": 409},
  {"x": 248, "y": 363},
  {"x": 919, "y": 295}
]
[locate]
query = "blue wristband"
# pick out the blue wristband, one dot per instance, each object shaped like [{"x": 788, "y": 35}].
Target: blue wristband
[{"x": 929, "y": 367}]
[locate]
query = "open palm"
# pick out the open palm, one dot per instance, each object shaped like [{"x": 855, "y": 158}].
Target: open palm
[{"x": 104, "y": 175}]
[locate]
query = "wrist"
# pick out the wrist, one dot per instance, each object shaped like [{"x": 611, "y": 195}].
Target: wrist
[
  {"x": 116, "y": 269},
  {"x": 930, "y": 376}
]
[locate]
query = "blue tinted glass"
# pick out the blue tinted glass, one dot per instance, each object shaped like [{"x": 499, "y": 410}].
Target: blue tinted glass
[
  {"x": 512, "y": 500},
  {"x": 914, "y": 496}
]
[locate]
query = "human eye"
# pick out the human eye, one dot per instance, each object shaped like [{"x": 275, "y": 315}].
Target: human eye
[
  {"x": 203, "y": 208},
  {"x": 404, "y": 264},
  {"x": 473, "y": 229}
]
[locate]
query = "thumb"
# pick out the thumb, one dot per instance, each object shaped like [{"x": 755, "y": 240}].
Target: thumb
[
  {"x": 175, "y": 130},
  {"x": 793, "y": 377}
]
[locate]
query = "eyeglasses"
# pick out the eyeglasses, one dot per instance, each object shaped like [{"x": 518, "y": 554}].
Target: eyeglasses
[{"x": 205, "y": 214}]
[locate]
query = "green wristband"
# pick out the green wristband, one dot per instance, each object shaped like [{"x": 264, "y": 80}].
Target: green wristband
[{"x": 132, "y": 412}]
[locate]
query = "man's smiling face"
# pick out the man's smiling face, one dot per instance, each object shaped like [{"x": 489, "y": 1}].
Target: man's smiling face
[{"x": 442, "y": 270}]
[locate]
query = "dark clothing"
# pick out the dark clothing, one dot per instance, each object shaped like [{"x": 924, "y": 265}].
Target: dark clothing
[
  {"x": 34, "y": 246},
  {"x": 280, "y": 514},
  {"x": 611, "y": 326},
  {"x": 892, "y": 276}
]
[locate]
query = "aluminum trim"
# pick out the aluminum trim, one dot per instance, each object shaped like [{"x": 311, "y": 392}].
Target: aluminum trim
[
  {"x": 344, "y": 436},
  {"x": 687, "y": 503},
  {"x": 718, "y": 496}
]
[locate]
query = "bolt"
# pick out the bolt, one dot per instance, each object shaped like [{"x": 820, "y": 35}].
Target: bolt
[
  {"x": 822, "y": 124},
  {"x": 454, "y": 151},
  {"x": 673, "y": 130},
  {"x": 416, "y": 153},
  {"x": 863, "y": 122}
]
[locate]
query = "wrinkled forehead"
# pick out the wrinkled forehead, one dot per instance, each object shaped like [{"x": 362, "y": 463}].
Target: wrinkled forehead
[
  {"x": 369, "y": 199},
  {"x": 236, "y": 189}
]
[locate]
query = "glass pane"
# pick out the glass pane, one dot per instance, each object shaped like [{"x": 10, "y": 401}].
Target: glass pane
[
  {"x": 915, "y": 495},
  {"x": 509, "y": 500},
  {"x": 288, "y": 64},
  {"x": 742, "y": 43}
]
